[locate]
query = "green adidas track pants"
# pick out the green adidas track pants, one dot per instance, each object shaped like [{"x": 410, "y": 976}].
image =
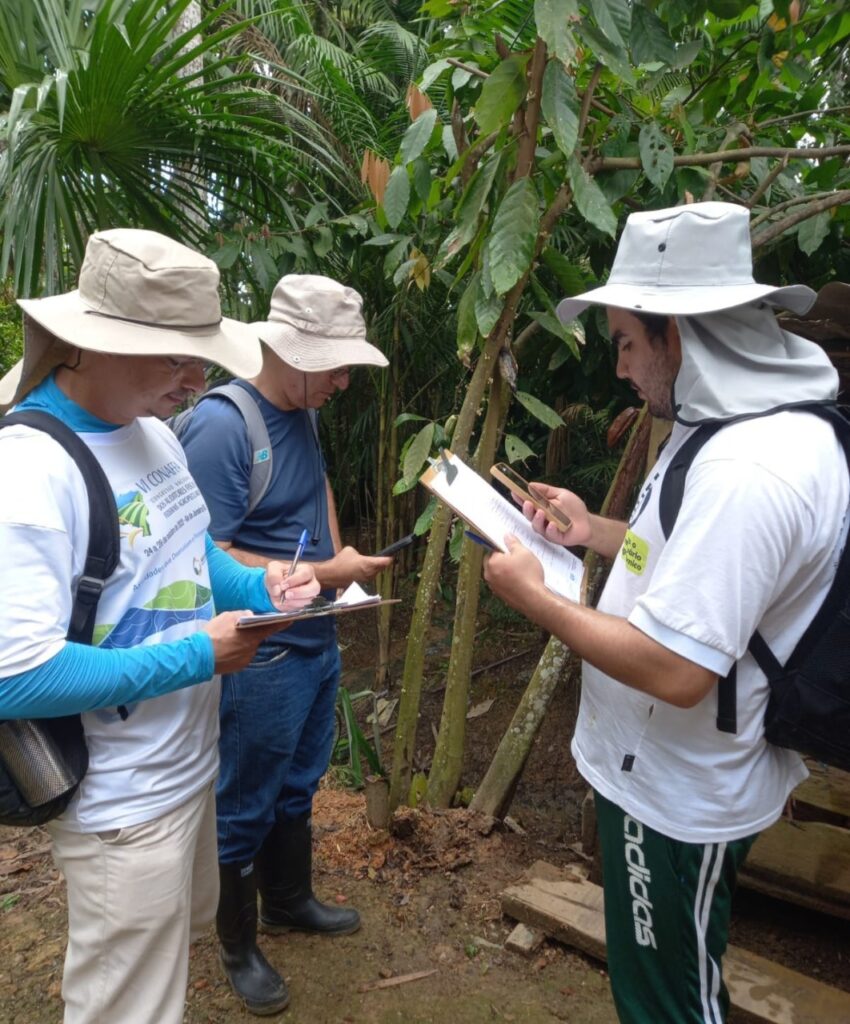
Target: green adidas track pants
[{"x": 667, "y": 907}]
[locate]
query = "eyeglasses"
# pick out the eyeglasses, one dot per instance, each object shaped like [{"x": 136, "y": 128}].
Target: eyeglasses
[{"x": 178, "y": 366}]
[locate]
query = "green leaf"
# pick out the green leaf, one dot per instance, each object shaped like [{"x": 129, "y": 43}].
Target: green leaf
[
  {"x": 417, "y": 136},
  {"x": 471, "y": 204},
  {"x": 568, "y": 275},
  {"x": 649, "y": 38},
  {"x": 225, "y": 256},
  {"x": 614, "y": 18},
  {"x": 560, "y": 106},
  {"x": 613, "y": 57},
  {"x": 467, "y": 328},
  {"x": 417, "y": 452},
  {"x": 656, "y": 154},
  {"x": 812, "y": 232},
  {"x": 516, "y": 449},
  {"x": 386, "y": 239},
  {"x": 590, "y": 201},
  {"x": 423, "y": 523},
  {"x": 488, "y": 308},
  {"x": 513, "y": 235},
  {"x": 422, "y": 178},
  {"x": 449, "y": 144},
  {"x": 408, "y": 417},
  {"x": 501, "y": 94},
  {"x": 324, "y": 242},
  {"x": 432, "y": 73},
  {"x": 539, "y": 410},
  {"x": 396, "y": 196},
  {"x": 395, "y": 256},
  {"x": 552, "y": 18},
  {"x": 554, "y": 326}
]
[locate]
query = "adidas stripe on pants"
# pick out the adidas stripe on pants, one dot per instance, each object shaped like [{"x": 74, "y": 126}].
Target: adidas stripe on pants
[{"x": 667, "y": 907}]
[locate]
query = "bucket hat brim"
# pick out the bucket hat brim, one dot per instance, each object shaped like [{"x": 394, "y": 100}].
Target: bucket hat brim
[
  {"x": 686, "y": 301},
  {"x": 228, "y": 343},
  {"x": 314, "y": 352}
]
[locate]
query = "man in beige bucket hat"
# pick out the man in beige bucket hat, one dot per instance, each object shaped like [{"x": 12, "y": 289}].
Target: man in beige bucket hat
[
  {"x": 274, "y": 752},
  {"x": 137, "y": 842},
  {"x": 683, "y": 777}
]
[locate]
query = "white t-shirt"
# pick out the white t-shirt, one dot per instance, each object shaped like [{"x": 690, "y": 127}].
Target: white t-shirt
[
  {"x": 166, "y": 750},
  {"x": 755, "y": 546}
]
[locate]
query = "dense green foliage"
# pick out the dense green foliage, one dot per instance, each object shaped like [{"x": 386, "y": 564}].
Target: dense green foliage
[{"x": 463, "y": 165}]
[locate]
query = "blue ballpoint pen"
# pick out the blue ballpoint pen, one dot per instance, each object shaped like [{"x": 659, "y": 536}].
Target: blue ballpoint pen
[{"x": 299, "y": 551}]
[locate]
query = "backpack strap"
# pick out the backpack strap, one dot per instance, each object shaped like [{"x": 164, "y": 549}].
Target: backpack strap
[
  {"x": 258, "y": 436},
  {"x": 104, "y": 540}
]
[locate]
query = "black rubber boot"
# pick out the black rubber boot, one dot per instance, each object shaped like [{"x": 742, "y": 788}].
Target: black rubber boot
[
  {"x": 284, "y": 877},
  {"x": 252, "y": 977}
]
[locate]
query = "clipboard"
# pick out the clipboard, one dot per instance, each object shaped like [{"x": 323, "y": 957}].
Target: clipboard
[
  {"x": 491, "y": 516},
  {"x": 353, "y": 599}
]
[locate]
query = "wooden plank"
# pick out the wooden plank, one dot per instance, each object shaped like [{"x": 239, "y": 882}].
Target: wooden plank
[
  {"x": 759, "y": 989},
  {"x": 826, "y": 789},
  {"x": 804, "y": 862}
]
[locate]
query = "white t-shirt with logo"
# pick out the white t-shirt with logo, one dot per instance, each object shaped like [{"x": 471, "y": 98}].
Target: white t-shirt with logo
[
  {"x": 755, "y": 546},
  {"x": 166, "y": 749}
]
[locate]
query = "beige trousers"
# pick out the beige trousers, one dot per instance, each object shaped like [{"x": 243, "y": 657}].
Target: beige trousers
[{"x": 136, "y": 897}]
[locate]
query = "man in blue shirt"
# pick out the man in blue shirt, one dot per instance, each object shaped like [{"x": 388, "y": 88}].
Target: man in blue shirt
[{"x": 277, "y": 716}]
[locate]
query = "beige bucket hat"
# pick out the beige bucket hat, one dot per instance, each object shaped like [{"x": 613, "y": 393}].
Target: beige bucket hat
[
  {"x": 316, "y": 324},
  {"x": 140, "y": 294},
  {"x": 685, "y": 261}
]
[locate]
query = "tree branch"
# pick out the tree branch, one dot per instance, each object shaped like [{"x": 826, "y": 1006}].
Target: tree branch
[
  {"x": 531, "y": 118},
  {"x": 587, "y": 98},
  {"x": 801, "y": 113},
  {"x": 812, "y": 210},
  {"x": 633, "y": 163},
  {"x": 466, "y": 67},
  {"x": 767, "y": 181},
  {"x": 796, "y": 201}
]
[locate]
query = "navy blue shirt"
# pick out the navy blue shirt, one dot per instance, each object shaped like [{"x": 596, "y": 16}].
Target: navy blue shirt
[{"x": 220, "y": 458}]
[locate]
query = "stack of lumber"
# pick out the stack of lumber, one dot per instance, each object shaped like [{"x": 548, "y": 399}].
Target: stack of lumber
[{"x": 569, "y": 908}]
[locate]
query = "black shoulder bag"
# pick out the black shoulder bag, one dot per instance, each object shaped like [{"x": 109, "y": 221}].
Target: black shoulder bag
[{"x": 43, "y": 760}]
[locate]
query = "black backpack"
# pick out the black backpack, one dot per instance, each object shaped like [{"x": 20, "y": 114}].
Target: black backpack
[
  {"x": 809, "y": 705},
  {"x": 43, "y": 760}
]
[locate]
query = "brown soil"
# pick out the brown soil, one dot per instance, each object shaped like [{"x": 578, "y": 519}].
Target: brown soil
[{"x": 428, "y": 891}]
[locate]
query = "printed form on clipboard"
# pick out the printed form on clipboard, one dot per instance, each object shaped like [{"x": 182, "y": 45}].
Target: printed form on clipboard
[
  {"x": 492, "y": 516},
  {"x": 352, "y": 599}
]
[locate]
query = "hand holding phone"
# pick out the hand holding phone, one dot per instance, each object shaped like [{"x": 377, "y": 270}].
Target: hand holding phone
[
  {"x": 397, "y": 545},
  {"x": 528, "y": 492}
]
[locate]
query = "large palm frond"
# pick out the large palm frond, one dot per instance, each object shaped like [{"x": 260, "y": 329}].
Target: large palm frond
[{"x": 117, "y": 132}]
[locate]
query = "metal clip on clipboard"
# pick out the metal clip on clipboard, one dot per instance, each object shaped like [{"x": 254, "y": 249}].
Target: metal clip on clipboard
[{"x": 443, "y": 464}]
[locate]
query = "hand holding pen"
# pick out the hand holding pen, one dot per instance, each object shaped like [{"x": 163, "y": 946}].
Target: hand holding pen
[
  {"x": 299, "y": 551},
  {"x": 296, "y": 584}
]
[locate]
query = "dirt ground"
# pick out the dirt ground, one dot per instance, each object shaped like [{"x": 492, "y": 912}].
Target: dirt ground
[{"x": 428, "y": 891}]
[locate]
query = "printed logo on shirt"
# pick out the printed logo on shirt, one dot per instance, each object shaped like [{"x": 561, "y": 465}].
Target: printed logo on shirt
[
  {"x": 261, "y": 455},
  {"x": 635, "y": 553},
  {"x": 133, "y": 513},
  {"x": 639, "y": 881}
]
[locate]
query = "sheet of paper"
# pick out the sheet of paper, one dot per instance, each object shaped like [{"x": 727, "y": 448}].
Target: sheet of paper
[
  {"x": 352, "y": 598},
  {"x": 492, "y": 516},
  {"x": 354, "y": 594}
]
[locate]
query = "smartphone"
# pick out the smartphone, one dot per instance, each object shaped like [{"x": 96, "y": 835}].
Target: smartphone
[
  {"x": 528, "y": 492},
  {"x": 397, "y": 545}
]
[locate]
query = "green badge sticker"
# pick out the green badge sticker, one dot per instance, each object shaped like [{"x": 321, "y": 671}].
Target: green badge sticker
[{"x": 635, "y": 553}]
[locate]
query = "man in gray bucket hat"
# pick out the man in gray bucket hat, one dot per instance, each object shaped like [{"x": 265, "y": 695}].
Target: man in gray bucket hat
[
  {"x": 137, "y": 842},
  {"x": 683, "y": 783},
  {"x": 277, "y": 716}
]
